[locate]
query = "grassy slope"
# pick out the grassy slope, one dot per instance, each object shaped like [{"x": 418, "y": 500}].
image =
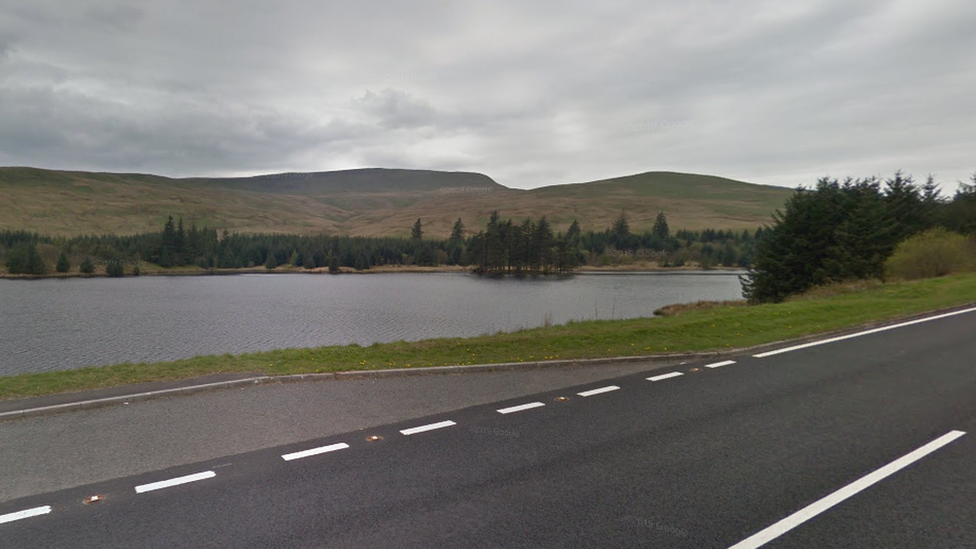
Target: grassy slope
[
  {"x": 695, "y": 330},
  {"x": 67, "y": 203}
]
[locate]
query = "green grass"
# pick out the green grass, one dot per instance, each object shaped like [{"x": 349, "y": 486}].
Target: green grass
[{"x": 696, "y": 329}]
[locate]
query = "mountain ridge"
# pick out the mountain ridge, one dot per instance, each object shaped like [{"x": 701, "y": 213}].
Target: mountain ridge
[{"x": 366, "y": 202}]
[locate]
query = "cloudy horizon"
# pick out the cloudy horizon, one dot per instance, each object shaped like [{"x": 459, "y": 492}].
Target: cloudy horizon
[{"x": 530, "y": 94}]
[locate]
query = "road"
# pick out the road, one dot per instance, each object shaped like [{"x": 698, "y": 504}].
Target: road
[{"x": 866, "y": 442}]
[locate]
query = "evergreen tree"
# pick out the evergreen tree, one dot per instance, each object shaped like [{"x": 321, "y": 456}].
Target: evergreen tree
[
  {"x": 417, "y": 232},
  {"x": 35, "y": 264},
  {"x": 542, "y": 242},
  {"x": 294, "y": 260},
  {"x": 167, "y": 245},
  {"x": 87, "y": 266},
  {"x": 333, "y": 264},
  {"x": 115, "y": 268},
  {"x": 271, "y": 262},
  {"x": 457, "y": 233},
  {"x": 182, "y": 256},
  {"x": 620, "y": 231},
  {"x": 63, "y": 265},
  {"x": 573, "y": 234},
  {"x": 17, "y": 260},
  {"x": 661, "y": 229}
]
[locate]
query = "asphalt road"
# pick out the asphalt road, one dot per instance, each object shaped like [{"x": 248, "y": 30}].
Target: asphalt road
[{"x": 873, "y": 437}]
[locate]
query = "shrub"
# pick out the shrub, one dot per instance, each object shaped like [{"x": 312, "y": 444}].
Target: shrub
[
  {"x": 936, "y": 252},
  {"x": 115, "y": 268}
]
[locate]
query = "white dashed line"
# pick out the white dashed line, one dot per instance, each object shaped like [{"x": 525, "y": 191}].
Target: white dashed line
[
  {"x": 315, "y": 451},
  {"x": 26, "y": 513},
  {"x": 174, "y": 482},
  {"x": 859, "y": 334},
  {"x": 765, "y": 536},
  {"x": 430, "y": 427},
  {"x": 665, "y": 376},
  {"x": 601, "y": 390},
  {"x": 720, "y": 364},
  {"x": 520, "y": 407}
]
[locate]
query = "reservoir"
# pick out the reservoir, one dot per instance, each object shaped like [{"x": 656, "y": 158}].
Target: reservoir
[{"x": 58, "y": 324}]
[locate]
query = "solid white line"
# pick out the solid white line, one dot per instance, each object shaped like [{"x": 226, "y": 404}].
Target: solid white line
[
  {"x": 315, "y": 451},
  {"x": 592, "y": 392},
  {"x": 26, "y": 513},
  {"x": 519, "y": 408},
  {"x": 761, "y": 538},
  {"x": 665, "y": 376},
  {"x": 720, "y": 364},
  {"x": 174, "y": 481},
  {"x": 430, "y": 427},
  {"x": 864, "y": 333}
]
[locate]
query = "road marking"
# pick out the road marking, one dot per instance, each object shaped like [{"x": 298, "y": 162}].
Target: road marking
[
  {"x": 864, "y": 333},
  {"x": 665, "y": 376},
  {"x": 430, "y": 427},
  {"x": 175, "y": 481},
  {"x": 26, "y": 513},
  {"x": 765, "y": 536},
  {"x": 520, "y": 407},
  {"x": 592, "y": 392},
  {"x": 720, "y": 364},
  {"x": 315, "y": 451}
]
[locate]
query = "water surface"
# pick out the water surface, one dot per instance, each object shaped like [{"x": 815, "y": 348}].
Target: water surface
[{"x": 56, "y": 324}]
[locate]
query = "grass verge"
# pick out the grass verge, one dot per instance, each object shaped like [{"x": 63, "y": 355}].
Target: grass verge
[{"x": 694, "y": 329}]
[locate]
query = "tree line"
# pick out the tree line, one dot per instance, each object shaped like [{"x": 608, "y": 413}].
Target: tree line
[
  {"x": 845, "y": 230},
  {"x": 529, "y": 247}
]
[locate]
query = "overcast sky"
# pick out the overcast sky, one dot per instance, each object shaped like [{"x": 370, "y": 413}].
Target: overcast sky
[{"x": 530, "y": 93}]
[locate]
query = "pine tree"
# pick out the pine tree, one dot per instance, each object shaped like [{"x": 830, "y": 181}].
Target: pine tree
[
  {"x": 167, "y": 244},
  {"x": 63, "y": 264},
  {"x": 573, "y": 234},
  {"x": 271, "y": 262},
  {"x": 180, "y": 252},
  {"x": 620, "y": 231},
  {"x": 417, "y": 232},
  {"x": 661, "y": 229},
  {"x": 457, "y": 233},
  {"x": 543, "y": 242},
  {"x": 87, "y": 266},
  {"x": 333, "y": 264},
  {"x": 35, "y": 264}
]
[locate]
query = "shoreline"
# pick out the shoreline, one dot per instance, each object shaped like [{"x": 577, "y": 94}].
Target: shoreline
[
  {"x": 694, "y": 328},
  {"x": 637, "y": 268}
]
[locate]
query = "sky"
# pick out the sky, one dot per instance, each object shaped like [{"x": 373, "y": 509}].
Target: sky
[{"x": 530, "y": 93}]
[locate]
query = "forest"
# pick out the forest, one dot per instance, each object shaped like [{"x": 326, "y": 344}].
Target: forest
[
  {"x": 848, "y": 230},
  {"x": 529, "y": 247}
]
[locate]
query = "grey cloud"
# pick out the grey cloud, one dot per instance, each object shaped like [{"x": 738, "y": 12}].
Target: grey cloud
[
  {"x": 396, "y": 109},
  {"x": 529, "y": 93}
]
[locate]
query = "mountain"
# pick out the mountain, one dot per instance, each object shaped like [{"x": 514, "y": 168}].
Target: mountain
[{"x": 368, "y": 202}]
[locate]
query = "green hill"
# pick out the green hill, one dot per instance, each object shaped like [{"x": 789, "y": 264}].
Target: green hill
[{"x": 370, "y": 202}]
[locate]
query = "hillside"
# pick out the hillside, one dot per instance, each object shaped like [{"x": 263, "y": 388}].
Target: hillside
[{"x": 369, "y": 202}]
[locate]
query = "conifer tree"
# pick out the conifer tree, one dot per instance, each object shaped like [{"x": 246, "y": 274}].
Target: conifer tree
[
  {"x": 87, "y": 266},
  {"x": 661, "y": 229},
  {"x": 63, "y": 265},
  {"x": 457, "y": 233}
]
